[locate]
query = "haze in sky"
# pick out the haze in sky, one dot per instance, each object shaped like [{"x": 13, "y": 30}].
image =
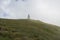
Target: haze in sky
[{"x": 44, "y": 10}]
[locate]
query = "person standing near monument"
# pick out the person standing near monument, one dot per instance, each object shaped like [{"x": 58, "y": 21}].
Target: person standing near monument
[{"x": 28, "y": 16}]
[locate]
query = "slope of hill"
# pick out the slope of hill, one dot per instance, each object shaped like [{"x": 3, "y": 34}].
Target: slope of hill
[{"x": 25, "y": 29}]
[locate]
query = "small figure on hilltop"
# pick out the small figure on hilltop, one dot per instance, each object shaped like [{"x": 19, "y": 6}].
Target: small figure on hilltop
[{"x": 28, "y": 16}]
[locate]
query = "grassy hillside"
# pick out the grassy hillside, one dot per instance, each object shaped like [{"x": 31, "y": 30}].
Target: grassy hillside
[{"x": 25, "y": 29}]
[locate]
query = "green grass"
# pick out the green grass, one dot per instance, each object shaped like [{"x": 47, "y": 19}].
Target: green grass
[{"x": 24, "y": 29}]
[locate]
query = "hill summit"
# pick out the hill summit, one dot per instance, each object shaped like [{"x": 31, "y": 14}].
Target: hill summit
[{"x": 24, "y": 29}]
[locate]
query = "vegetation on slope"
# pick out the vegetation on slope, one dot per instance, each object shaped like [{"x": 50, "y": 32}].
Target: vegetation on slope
[{"x": 25, "y": 29}]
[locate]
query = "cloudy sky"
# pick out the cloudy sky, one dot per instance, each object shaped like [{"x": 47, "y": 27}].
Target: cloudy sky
[{"x": 44, "y": 10}]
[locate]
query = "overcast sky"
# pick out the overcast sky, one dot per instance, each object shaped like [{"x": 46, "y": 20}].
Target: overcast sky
[{"x": 44, "y": 10}]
